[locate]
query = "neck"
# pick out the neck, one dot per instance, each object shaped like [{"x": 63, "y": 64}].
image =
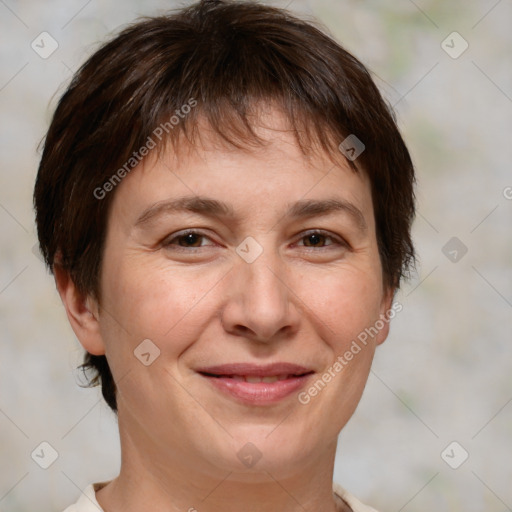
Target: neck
[{"x": 175, "y": 481}]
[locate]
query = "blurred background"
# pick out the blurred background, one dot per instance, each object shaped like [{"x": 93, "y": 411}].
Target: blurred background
[{"x": 434, "y": 428}]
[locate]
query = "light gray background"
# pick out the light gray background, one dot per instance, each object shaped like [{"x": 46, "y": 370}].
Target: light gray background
[{"x": 443, "y": 375}]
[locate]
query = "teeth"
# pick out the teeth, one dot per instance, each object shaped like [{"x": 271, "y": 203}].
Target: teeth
[{"x": 253, "y": 379}]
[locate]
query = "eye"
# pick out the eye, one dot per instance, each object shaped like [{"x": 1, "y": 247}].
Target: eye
[
  {"x": 186, "y": 239},
  {"x": 320, "y": 239}
]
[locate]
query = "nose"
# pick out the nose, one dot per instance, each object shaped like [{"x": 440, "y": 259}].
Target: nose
[{"x": 261, "y": 303}]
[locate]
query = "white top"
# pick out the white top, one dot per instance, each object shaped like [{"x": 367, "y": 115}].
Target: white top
[{"x": 88, "y": 503}]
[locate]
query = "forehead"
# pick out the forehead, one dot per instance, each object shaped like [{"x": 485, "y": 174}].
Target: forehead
[
  {"x": 250, "y": 179},
  {"x": 268, "y": 123}
]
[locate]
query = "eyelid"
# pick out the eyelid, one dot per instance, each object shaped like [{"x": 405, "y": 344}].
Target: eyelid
[
  {"x": 178, "y": 234},
  {"x": 197, "y": 231},
  {"x": 337, "y": 239}
]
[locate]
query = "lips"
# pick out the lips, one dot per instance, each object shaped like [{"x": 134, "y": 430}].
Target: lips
[
  {"x": 254, "y": 379},
  {"x": 253, "y": 370},
  {"x": 257, "y": 384}
]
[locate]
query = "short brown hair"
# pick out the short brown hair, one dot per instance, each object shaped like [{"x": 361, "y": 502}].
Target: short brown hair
[{"x": 226, "y": 56}]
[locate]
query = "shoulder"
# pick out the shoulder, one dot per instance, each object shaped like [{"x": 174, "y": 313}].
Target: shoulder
[
  {"x": 354, "y": 503},
  {"x": 87, "y": 501}
]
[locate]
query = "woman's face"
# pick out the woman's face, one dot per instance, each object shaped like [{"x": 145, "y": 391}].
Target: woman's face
[{"x": 281, "y": 268}]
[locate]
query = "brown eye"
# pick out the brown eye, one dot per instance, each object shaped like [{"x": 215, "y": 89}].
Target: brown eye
[
  {"x": 314, "y": 239},
  {"x": 190, "y": 240},
  {"x": 318, "y": 239}
]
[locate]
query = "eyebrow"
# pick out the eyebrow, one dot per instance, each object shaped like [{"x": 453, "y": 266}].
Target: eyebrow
[{"x": 301, "y": 209}]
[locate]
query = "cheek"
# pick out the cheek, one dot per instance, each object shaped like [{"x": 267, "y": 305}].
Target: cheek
[
  {"x": 346, "y": 302},
  {"x": 157, "y": 303}
]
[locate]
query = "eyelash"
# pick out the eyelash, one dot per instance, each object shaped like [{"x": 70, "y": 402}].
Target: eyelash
[{"x": 335, "y": 240}]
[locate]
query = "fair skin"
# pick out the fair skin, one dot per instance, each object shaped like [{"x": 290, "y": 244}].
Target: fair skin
[{"x": 303, "y": 300}]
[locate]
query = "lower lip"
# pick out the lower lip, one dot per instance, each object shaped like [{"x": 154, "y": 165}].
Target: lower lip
[{"x": 260, "y": 393}]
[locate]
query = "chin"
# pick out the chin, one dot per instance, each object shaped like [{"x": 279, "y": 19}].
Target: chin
[{"x": 256, "y": 454}]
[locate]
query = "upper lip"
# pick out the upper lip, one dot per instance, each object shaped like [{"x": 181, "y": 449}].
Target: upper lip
[{"x": 255, "y": 370}]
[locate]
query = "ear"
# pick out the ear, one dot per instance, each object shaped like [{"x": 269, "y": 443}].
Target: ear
[
  {"x": 387, "y": 312},
  {"x": 82, "y": 311}
]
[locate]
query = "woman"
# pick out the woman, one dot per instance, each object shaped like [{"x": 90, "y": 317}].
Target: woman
[{"x": 225, "y": 202}]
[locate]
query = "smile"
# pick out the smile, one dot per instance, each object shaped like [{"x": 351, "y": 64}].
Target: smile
[{"x": 257, "y": 385}]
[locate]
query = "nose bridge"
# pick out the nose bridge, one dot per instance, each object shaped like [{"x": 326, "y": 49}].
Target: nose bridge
[
  {"x": 263, "y": 295},
  {"x": 265, "y": 276}
]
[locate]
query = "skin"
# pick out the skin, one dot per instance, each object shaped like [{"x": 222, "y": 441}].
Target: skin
[{"x": 303, "y": 300}]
